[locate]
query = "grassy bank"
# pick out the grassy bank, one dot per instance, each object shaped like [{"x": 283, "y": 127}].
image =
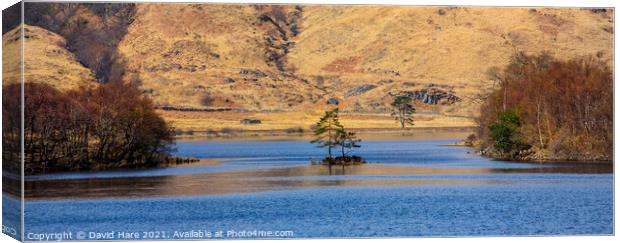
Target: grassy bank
[{"x": 201, "y": 124}]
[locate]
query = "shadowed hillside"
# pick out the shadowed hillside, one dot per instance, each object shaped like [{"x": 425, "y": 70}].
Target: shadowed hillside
[{"x": 92, "y": 31}]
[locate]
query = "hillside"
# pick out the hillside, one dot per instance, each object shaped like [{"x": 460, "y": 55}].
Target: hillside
[
  {"x": 46, "y": 59},
  {"x": 295, "y": 58},
  {"x": 286, "y": 64},
  {"x": 209, "y": 50},
  {"x": 445, "y": 46}
]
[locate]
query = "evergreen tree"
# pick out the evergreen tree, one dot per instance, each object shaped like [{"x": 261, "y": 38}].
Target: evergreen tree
[
  {"x": 505, "y": 132},
  {"x": 327, "y": 130},
  {"x": 403, "y": 110},
  {"x": 347, "y": 140}
]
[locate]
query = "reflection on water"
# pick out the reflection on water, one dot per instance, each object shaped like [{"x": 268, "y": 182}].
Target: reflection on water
[{"x": 251, "y": 173}]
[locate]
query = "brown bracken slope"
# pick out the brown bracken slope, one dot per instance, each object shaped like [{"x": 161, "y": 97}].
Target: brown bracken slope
[
  {"x": 262, "y": 58},
  {"x": 298, "y": 57}
]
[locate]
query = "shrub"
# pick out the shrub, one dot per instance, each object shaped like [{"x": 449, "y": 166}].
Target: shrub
[
  {"x": 505, "y": 132},
  {"x": 207, "y": 99},
  {"x": 294, "y": 130}
]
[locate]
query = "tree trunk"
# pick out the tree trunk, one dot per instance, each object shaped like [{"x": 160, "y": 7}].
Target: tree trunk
[
  {"x": 402, "y": 118},
  {"x": 542, "y": 144},
  {"x": 504, "y": 100},
  {"x": 329, "y": 138}
]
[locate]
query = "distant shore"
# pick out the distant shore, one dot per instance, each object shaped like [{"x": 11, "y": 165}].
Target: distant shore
[
  {"x": 364, "y": 133},
  {"x": 294, "y": 122}
]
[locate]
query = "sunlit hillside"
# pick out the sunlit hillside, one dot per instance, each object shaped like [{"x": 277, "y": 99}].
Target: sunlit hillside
[
  {"x": 46, "y": 59},
  {"x": 209, "y": 50},
  {"x": 447, "y": 46},
  {"x": 253, "y": 59},
  {"x": 359, "y": 55}
]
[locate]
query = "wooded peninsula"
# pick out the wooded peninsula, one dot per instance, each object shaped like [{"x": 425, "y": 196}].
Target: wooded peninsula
[{"x": 544, "y": 109}]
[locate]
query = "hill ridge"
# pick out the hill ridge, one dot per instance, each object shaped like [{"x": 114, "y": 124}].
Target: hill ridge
[{"x": 313, "y": 57}]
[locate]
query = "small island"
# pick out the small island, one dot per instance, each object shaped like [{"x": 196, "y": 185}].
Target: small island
[{"x": 331, "y": 134}]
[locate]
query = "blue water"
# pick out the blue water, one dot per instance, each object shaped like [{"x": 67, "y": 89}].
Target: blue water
[
  {"x": 352, "y": 212},
  {"x": 249, "y": 155},
  {"x": 431, "y": 153},
  {"x": 11, "y": 216},
  {"x": 376, "y": 202}
]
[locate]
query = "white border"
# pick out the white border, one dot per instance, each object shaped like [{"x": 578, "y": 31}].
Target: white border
[{"x": 554, "y": 3}]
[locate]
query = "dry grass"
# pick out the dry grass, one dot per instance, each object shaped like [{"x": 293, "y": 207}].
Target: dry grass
[
  {"x": 341, "y": 47},
  {"x": 46, "y": 59},
  {"x": 181, "y": 52},
  {"x": 203, "y": 121}
]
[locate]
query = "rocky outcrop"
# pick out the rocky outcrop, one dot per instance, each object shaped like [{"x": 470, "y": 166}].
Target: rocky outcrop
[
  {"x": 433, "y": 95},
  {"x": 250, "y": 121},
  {"x": 385, "y": 81},
  {"x": 332, "y": 101},
  {"x": 257, "y": 73},
  {"x": 436, "y": 96},
  {"x": 360, "y": 90},
  {"x": 165, "y": 67},
  {"x": 283, "y": 24}
]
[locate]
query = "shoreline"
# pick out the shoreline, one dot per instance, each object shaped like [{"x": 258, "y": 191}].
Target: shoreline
[
  {"x": 555, "y": 161},
  {"x": 532, "y": 158},
  {"x": 172, "y": 162},
  {"x": 363, "y": 133}
]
